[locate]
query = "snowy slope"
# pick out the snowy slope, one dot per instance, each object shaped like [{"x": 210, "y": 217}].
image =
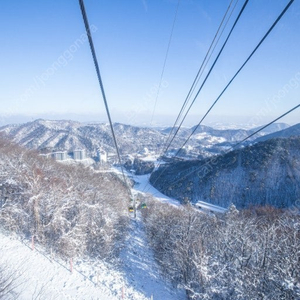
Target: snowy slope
[
  {"x": 39, "y": 276},
  {"x": 140, "y": 268}
]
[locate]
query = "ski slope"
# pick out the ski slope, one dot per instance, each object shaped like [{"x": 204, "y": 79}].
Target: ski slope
[
  {"x": 140, "y": 268},
  {"x": 142, "y": 185}
]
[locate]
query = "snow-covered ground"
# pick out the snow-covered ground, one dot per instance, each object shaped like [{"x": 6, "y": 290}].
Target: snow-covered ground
[
  {"x": 140, "y": 268},
  {"x": 208, "y": 138},
  {"x": 143, "y": 185},
  {"x": 41, "y": 276},
  {"x": 38, "y": 276}
]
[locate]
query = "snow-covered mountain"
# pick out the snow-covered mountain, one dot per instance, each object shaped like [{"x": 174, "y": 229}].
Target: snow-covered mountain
[
  {"x": 47, "y": 136},
  {"x": 206, "y": 141},
  {"x": 272, "y": 128},
  {"x": 232, "y": 134},
  {"x": 265, "y": 173},
  {"x": 70, "y": 135}
]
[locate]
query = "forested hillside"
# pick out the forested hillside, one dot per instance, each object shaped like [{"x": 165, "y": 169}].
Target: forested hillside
[
  {"x": 267, "y": 173},
  {"x": 72, "y": 210},
  {"x": 249, "y": 254}
]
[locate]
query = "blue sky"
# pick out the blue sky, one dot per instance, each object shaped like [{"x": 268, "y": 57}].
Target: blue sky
[{"x": 47, "y": 69}]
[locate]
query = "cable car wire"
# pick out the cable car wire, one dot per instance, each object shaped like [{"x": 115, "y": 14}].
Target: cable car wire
[
  {"x": 235, "y": 75},
  {"x": 197, "y": 76},
  {"x": 88, "y": 32},
  {"x": 249, "y": 57},
  {"x": 209, "y": 72},
  {"x": 215, "y": 45},
  {"x": 165, "y": 61},
  {"x": 202, "y": 67}
]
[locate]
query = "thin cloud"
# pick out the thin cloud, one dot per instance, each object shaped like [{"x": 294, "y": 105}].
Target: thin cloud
[{"x": 145, "y": 5}]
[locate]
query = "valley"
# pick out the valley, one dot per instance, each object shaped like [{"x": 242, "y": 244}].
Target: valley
[{"x": 264, "y": 168}]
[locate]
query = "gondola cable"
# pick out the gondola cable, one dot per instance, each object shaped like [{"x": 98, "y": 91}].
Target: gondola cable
[
  {"x": 165, "y": 62},
  {"x": 209, "y": 72},
  {"x": 199, "y": 73},
  {"x": 215, "y": 61},
  {"x": 235, "y": 75},
  {"x": 197, "y": 76},
  {"x": 89, "y": 35},
  {"x": 202, "y": 67}
]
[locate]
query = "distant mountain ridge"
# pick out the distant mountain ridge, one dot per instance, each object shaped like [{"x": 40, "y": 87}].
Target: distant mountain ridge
[
  {"x": 272, "y": 128},
  {"x": 70, "y": 135},
  {"x": 47, "y": 136},
  {"x": 230, "y": 135},
  {"x": 283, "y": 133}
]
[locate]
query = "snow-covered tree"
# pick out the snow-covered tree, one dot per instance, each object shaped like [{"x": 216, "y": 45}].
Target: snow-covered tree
[{"x": 70, "y": 209}]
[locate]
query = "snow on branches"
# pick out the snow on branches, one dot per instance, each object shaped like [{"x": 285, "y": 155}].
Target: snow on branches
[
  {"x": 70, "y": 209},
  {"x": 247, "y": 254}
]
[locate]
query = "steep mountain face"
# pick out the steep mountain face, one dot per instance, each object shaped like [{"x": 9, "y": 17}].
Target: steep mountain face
[{"x": 266, "y": 173}]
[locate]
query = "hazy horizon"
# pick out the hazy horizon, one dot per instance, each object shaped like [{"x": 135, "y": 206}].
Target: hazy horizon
[
  {"x": 47, "y": 67},
  {"x": 161, "y": 121}
]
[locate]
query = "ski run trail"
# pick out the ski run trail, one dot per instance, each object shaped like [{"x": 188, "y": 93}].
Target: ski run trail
[{"x": 40, "y": 275}]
